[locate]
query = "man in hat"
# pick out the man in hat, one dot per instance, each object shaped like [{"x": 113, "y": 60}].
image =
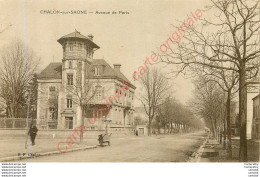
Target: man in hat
[{"x": 33, "y": 132}]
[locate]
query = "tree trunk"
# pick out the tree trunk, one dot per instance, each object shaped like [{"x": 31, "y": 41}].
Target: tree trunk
[
  {"x": 242, "y": 114},
  {"x": 224, "y": 135},
  {"x": 228, "y": 125},
  {"x": 212, "y": 127},
  {"x": 217, "y": 133},
  {"x": 220, "y": 138},
  {"x": 149, "y": 128},
  {"x": 81, "y": 123}
]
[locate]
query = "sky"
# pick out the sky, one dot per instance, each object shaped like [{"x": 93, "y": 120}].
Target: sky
[{"x": 123, "y": 38}]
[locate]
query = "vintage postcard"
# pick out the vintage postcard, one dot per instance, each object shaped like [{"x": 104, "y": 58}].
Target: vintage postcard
[{"x": 129, "y": 81}]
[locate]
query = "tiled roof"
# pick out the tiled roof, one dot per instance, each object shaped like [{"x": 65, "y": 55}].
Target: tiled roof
[
  {"x": 77, "y": 35},
  {"x": 54, "y": 71},
  {"x": 108, "y": 70}
]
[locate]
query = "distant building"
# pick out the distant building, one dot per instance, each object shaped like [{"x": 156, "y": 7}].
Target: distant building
[
  {"x": 58, "y": 106},
  {"x": 141, "y": 130},
  {"x": 256, "y": 118}
]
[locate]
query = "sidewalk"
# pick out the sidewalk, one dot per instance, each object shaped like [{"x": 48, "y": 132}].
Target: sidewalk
[
  {"x": 14, "y": 149},
  {"x": 214, "y": 152}
]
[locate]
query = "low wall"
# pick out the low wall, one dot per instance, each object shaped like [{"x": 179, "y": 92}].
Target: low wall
[{"x": 9, "y": 133}]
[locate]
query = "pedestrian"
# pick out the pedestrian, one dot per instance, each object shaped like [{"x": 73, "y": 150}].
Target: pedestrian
[{"x": 33, "y": 132}]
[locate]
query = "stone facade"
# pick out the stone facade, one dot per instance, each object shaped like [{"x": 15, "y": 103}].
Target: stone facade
[
  {"x": 78, "y": 90},
  {"x": 256, "y": 117}
]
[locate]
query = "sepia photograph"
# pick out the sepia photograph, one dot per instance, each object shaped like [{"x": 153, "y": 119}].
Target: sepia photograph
[{"x": 173, "y": 81}]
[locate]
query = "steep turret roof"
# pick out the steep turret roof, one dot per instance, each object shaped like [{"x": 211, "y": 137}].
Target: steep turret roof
[{"x": 77, "y": 35}]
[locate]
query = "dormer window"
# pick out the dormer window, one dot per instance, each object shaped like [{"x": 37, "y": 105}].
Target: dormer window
[{"x": 98, "y": 70}]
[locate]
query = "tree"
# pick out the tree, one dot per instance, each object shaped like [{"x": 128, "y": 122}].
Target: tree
[
  {"x": 171, "y": 114},
  {"x": 155, "y": 86},
  {"x": 227, "y": 81},
  {"x": 33, "y": 95},
  {"x": 18, "y": 66},
  {"x": 232, "y": 38},
  {"x": 165, "y": 113},
  {"x": 83, "y": 92},
  {"x": 208, "y": 103},
  {"x": 139, "y": 121}
]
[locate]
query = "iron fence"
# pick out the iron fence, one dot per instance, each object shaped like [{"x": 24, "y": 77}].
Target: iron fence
[{"x": 14, "y": 122}]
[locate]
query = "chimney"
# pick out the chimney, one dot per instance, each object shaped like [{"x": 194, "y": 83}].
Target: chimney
[
  {"x": 90, "y": 36},
  {"x": 117, "y": 67}
]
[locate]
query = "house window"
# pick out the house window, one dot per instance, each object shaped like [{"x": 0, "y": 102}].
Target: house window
[
  {"x": 80, "y": 46},
  {"x": 71, "y": 46},
  {"x": 69, "y": 122},
  {"x": 88, "y": 50},
  {"x": 98, "y": 92},
  {"x": 98, "y": 71},
  {"x": 69, "y": 101},
  {"x": 52, "y": 113},
  {"x": 70, "y": 79},
  {"x": 70, "y": 65},
  {"x": 64, "y": 47}
]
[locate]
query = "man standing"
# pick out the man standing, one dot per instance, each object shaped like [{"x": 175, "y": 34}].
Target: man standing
[{"x": 33, "y": 132}]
